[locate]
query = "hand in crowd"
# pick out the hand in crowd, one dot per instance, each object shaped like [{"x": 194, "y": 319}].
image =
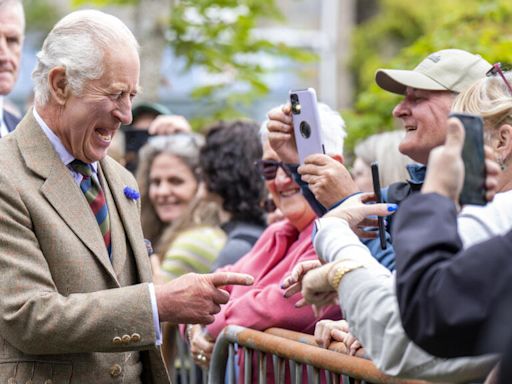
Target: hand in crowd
[
  {"x": 168, "y": 125},
  {"x": 328, "y": 331},
  {"x": 445, "y": 170},
  {"x": 280, "y": 133},
  {"x": 293, "y": 283},
  {"x": 355, "y": 211},
  {"x": 201, "y": 345},
  {"x": 195, "y": 298},
  {"x": 316, "y": 289},
  {"x": 327, "y": 178}
]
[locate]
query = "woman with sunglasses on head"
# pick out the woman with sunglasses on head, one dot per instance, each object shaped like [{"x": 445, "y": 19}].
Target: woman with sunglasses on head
[{"x": 279, "y": 248}]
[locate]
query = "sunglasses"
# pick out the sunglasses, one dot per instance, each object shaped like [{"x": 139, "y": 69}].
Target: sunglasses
[
  {"x": 497, "y": 70},
  {"x": 268, "y": 168}
]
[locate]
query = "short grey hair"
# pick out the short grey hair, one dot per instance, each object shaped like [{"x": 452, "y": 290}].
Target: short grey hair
[
  {"x": 14, "y": 3},
  {"x": 79, "y": 43},
  {"x": 333, "y": 129}
]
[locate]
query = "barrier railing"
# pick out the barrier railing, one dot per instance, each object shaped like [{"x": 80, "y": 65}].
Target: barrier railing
[{"x": 298, "y": 350}]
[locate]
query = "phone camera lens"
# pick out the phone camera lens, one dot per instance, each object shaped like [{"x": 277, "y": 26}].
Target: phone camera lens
[
  {"x": 305, "y": 129},
  {"x": 295, "y": 104}
]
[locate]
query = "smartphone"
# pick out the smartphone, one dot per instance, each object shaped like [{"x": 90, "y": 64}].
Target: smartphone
[
  {"x": 134, "y": 139},
  {"x": 473, "y": 156},
  {"x": 306, "y": 123},
  {"x": 378, "y": 198}
]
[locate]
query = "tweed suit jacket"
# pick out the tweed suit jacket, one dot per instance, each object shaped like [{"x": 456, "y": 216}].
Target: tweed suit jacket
[{"x": 64, "y": 314}]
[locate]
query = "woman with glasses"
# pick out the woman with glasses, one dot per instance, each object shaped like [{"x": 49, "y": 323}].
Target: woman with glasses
[{"x": 280, "y": 247}]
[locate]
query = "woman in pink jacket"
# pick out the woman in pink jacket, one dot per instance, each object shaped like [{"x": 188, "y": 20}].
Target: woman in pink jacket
[{"x": 280, "y": 247}]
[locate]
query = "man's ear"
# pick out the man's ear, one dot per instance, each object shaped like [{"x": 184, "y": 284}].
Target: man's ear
[
  {"x": 504, "y": 142},
  {"x": 58, "y": 84},
  {"x": 338, "y": 157}
]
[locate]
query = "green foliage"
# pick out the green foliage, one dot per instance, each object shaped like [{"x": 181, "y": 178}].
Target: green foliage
[
  {"x": 403, "y": 33},
  {"x": 40, "y": 15},
  {"x": 216, "y": 34}
]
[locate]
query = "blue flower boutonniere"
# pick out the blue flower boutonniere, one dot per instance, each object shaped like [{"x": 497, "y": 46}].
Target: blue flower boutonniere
[{"x": 131, "y": 193}]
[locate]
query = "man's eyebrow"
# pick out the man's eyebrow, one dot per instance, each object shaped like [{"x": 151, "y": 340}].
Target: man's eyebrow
[{"x": 124, "y": 88}]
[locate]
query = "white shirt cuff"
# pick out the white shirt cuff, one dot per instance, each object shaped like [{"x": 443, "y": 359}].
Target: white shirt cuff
[{"x": 156, "y": 319}]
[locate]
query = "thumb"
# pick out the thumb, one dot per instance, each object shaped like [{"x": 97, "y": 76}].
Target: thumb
[
  {"x": 220, "y": 279},
  {"x": 455, "y": 135}
]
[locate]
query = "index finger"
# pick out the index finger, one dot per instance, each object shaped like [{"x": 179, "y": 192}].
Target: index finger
[{"x": 220, "y": 279}]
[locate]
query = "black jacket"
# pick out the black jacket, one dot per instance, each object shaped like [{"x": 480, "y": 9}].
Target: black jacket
[{"x": 453, "y": 302}]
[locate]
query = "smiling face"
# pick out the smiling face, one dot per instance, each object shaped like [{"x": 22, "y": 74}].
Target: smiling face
[
  {"x": 423, "y": 115},
  {"x": 11, "y": 41},
  {"x": 172, "y": 186},
  {"x": 287, "y": 195},
  {"x": 88, "y": 122}
]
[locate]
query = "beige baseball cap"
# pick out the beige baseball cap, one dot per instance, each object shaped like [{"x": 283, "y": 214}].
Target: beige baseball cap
[{"x": 447, "y": 70}]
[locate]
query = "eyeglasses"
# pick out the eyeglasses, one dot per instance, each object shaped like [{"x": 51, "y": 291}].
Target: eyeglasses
[
  {"x": 496, "y": 69},
  {"x": 268, "y": 168}
]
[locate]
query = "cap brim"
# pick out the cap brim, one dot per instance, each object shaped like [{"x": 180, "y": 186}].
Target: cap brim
[{"x": 396, "y": 80}]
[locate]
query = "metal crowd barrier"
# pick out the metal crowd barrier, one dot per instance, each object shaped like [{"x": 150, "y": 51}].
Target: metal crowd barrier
[{"x": 298, "y": 350}]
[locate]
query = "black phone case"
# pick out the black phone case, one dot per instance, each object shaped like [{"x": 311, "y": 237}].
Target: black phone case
[
  {"x": 378, "y": 197},
  {"x": 473, "y": 156}
]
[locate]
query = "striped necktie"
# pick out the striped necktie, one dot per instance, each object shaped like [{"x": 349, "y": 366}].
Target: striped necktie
[{"x": 96, "y": 199}]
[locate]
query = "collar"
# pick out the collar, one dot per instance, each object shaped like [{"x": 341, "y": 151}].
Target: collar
[
  {"x": 1, "y": 108},
  {"x": 63, "y": 153},
  {"x": 416, "y": 173}
]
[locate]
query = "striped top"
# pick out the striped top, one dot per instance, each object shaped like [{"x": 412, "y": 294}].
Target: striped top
[{"x": 194, "y": 250}]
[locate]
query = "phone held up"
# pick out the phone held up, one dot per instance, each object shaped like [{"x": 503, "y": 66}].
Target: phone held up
[
  {"x": 306, "y": 123},
  {"x": 378, "y": 198},
  {"x": 473, "y": 156}
]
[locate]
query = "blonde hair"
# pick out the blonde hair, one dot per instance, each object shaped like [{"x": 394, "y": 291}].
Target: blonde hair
[{"x": 489, "y": 98}]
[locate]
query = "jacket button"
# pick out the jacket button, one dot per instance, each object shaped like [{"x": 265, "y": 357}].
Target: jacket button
[
  {"x": 117, "y": 340},
  {"x": 126, "y": 339},
  {"x": 115, "y": 370},
  {"x": 135, "y": 337}
]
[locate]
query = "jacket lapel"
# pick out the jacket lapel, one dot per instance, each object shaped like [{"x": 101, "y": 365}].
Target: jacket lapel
[
  {"x": 129, "y": 213},
  {"x": 60, "y": 189}
]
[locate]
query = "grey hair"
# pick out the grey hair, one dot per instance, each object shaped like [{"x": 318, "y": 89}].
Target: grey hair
[
  {"x": 79, "y": 43},
  {"x": 14, "y": 3},
  {"x": 383, "y": 148},
  {"x": 333, "y": 129}
]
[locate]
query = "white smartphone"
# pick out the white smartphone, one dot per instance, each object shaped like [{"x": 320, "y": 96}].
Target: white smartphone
[{"x": 306, "y": 123}]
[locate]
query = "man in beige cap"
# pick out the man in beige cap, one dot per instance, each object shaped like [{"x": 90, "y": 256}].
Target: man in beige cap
[{"x": 429, "y": 91}]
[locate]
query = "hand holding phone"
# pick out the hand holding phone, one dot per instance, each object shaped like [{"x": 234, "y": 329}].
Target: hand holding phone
[
  {"x": 473, "y": 156},
  {"x": 306, "y": 123},
  {"x": 378, "y": 198}
]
